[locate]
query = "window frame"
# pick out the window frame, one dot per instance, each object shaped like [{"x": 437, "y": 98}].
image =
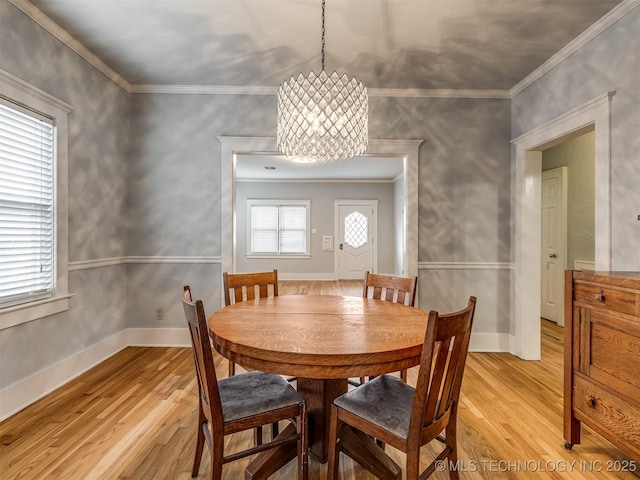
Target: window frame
[
  {"x": 279, "y": 203},
  {"x": 14, "y": 90}
]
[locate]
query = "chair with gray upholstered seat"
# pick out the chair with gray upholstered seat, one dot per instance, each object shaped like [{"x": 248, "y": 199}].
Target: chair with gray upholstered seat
[
  {"x": 387, "y": 409},
  {"x": 242, "y": 402},
  {"x": 391, "y": 289}
]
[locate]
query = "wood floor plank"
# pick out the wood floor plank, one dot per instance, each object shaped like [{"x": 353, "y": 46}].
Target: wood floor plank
[{"x": 134, "y": 417}]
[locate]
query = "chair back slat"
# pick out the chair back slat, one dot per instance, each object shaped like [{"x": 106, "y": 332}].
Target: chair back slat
[
  {"x": 441, "y": 366},
  {"x": 203, "y": 359},
  {"x": 401, "y": 296},
  {"x": 441, "y": 357},
  {"x": 449, "y": 380},
  {"x": 390, "y": 288},
  {"x": 239, "y": 287}
]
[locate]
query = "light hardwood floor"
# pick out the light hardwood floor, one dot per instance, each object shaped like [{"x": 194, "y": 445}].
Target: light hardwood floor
[{"x": 134, "y": 417}]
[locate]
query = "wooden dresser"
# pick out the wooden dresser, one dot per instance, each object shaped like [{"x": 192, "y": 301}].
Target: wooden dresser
[{"x": 602, "y": 357}]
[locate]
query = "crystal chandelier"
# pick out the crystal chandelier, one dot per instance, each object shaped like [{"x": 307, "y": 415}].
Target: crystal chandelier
[{"x": 322, "y": 117}]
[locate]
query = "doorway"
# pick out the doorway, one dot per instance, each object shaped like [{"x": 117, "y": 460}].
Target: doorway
[
  {"x": 574, "y": 161},
  {"x": 593, "y": 115},
  {"x": 407, "y": 150}
]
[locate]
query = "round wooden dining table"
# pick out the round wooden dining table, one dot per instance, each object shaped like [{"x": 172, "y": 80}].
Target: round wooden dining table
[{"x": 323, "y": 340}]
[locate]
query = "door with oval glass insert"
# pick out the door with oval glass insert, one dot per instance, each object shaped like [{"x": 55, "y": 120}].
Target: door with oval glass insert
[{"x": 356, "y": 246}]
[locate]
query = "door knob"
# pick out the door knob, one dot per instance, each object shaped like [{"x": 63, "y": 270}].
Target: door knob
[
  {"x": 552, "y": 255},
  {"x": 341, "y": 246}
]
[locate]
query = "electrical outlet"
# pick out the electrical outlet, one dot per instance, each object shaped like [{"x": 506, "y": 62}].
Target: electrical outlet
[{"x": 159, "y": 314}]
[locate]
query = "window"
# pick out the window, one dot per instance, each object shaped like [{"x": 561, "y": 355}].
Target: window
[
  {"x": 356, "y": 230},
  {"x": 278, "y": 227},
  {"x": 26, "y": 205},
  {"x": 33, "y": 203}
]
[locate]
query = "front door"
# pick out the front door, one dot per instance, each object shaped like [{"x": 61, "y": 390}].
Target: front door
[{"x": 356, "y": 244}]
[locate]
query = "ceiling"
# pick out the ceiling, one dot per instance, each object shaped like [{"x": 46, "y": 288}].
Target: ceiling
[
  {"x": 387, "y": 44},
  {"x": 400, "y": 44},
  {"x": 277, "y": 167}
]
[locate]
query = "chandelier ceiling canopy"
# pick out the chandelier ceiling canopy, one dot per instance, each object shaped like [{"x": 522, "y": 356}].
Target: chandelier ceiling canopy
[{"x": 322, "y": 117}]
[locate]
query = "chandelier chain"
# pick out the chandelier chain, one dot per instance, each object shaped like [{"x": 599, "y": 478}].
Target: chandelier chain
[
  {"x": 322, "y": 117},
  {"x": 322, "y": 63}
]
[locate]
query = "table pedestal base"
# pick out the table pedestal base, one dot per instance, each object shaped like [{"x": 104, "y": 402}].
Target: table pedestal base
[{"x": 319, "y": 395}]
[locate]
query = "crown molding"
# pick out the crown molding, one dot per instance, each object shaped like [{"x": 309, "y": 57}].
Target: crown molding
[
  {"x": 437, "y": 93},
  {"x": 61, "y": 34},
  {"x": 576, "y": 44},
  {"x": 205, "y": 89},
  {"x": 372, "y": 92}
]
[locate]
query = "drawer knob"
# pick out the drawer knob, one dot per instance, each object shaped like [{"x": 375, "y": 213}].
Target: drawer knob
[
  {"x": 600, "y": 297},
  {"x": 592, "y": 402}
]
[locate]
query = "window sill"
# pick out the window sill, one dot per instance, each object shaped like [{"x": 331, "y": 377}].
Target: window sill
[
  {"x": 287, "y": 256},
  {"x": 27, "y": 312}
]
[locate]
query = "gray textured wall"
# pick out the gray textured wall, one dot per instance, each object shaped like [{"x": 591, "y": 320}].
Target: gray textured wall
[
  {"x": 98, "y": 171},
  {"x": 464, "y": 203},
  {"x": 608, "y": 62},
  {"x": 464, "y": 186}
]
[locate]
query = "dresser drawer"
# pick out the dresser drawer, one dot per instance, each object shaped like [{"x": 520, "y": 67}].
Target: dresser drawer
[
  {"x": 605, "y": 298},
  {"x": 608, "y": 414}
]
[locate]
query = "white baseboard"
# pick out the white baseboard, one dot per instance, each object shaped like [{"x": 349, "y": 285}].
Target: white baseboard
[
  {"x": 158, "y": 337},
  {"x": 489, "y": 342},
  {"x": 515, "y": 348},
  {"x": 307, "y": 276},
  {"x": 26, "y": 391}
]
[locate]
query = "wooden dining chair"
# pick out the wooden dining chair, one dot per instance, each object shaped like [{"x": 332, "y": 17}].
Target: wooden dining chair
[
  {"x": 239, "y": 287},
  {"x": 242, "y": 402},
  {"x": 405, "y": 417},
  {"x": 391, "y": 289}
]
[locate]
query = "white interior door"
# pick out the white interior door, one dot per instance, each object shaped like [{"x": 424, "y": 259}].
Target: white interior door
[
  {"x": 356, "y": 230},
  {"x": 553, "y": 255}
]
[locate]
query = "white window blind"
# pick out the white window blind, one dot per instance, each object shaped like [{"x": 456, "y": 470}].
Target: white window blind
[
  {"x": 293, "y": 229},
  {"x": 26, "y": 205},
  {"x": 264, "y": 229},
  {"x": 277, "y": 229}
]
